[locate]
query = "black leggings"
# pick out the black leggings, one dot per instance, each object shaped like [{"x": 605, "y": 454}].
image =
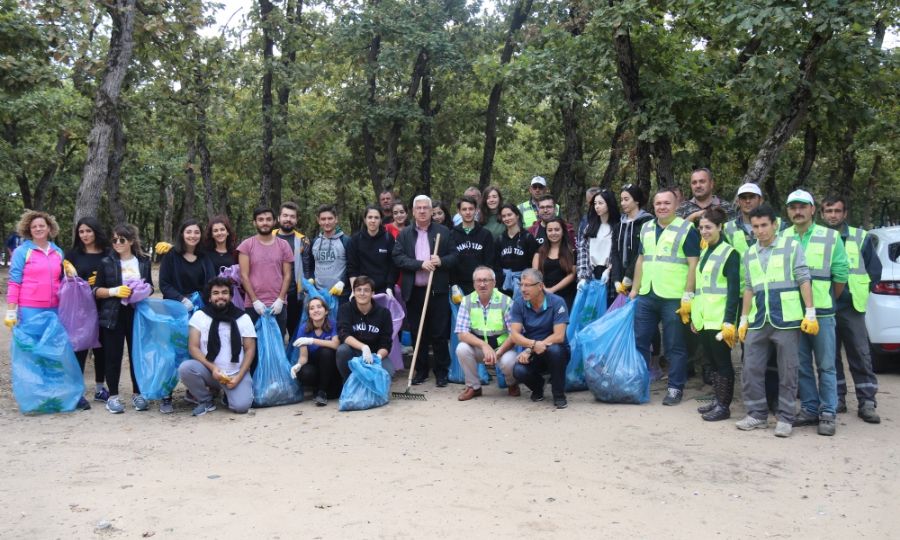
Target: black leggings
[
  {"x": 717, "y": 352},
  {"x": 320, "y": 372},
  {"x": 99, "y": 363},
  {"x": 113, "y": 341}
]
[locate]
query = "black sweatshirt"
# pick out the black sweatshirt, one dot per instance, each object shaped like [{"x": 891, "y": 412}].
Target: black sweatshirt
[
  {"x": 178, "y": 278},
  {"x": 372, "y": 256},
  {"x": 474, "y": 249},
  {"x": 85, "y": 263},
  {"x": 374, "y": 329}
]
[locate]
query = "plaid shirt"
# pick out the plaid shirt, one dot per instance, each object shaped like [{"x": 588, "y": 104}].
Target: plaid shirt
[
  {"x": 464, "y": 320},
  {"x": 690, "y": 206}
]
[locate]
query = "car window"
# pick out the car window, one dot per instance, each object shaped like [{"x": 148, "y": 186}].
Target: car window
[{"x": 894, "y": 251}]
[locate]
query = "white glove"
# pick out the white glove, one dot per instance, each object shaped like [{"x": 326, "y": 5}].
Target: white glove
[
  {"x": 188, "y": 304},
  {"x": 389, "y": 292},
  {"x": 627, "y": 282},
  {"x": 581, "y": 284},
  {"x": 687, "y": 297},
  {"x": 259, "y": 307},
  {"x": 604, "y": 278},
  {"x": 11, "y": 318},
  {"x": 367, "y": 354},
  {"x": 277, "y": 305},
  {"x": 810, "y": 314},
  {"x": 295, "y": 369},
  {"x": 303, "y": 342}
]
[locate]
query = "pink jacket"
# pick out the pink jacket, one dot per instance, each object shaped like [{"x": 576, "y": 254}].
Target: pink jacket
[{"x": 34, "y": 277}]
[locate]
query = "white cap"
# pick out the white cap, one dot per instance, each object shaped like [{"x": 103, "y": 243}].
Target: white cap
[
  {"x": 539, "y": 180},
  {"x": 751, "y": 188},
  {"x": 800, "y": 196}
]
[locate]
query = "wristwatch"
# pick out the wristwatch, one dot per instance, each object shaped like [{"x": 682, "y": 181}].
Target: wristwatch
[{"x": 528, "y": 350}]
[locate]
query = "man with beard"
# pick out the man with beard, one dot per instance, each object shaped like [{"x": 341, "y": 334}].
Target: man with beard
[
  {"x": 222, "y": 345},
  {"x": 386, "y": 203},
  {"x": 702, "y": 187},
  {"x": 287, "y": 220},
  {"x": 265, "y": 262}
]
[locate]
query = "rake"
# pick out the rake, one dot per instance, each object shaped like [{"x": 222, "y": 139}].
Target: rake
[{"x": 412, "y": 368}]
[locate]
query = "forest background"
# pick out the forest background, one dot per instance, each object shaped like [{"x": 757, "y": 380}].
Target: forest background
[{"x": 150, "y": 111}]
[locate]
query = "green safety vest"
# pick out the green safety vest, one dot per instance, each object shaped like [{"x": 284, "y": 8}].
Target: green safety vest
[
  {"x": 819, "y": 251},
  {"x": 665, "y": 266},
  {"x": 776, "y": 294},
  {"x": 859, "y": 279},
  {"x": 492, "y": 328},
  {"x": 708, "y": 307},
  {"x": 529, "y": 214}
]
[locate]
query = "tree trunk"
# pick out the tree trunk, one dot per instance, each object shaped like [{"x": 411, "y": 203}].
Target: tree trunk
[
  {"x": 871, "y": 185},
  {"x": 268, "y": 133},
  {"x": 848, "y": 162},
  {"x": 167, "y": 199},
  {"x": 392, "y": 156},
  {"x": 42, "y": 190},
  {"x": 425, "y": 138},
  {"x": 615, "y": 156},
  {"x": 206, "y": 174},
  {"x": 569, "y": 180},
  {"x": 518, "y": 18},
  {"x": 114, "y": 174},
  {"x": 786, "y": 125},
  {"x": 642, "y": 175},
  {"x": 662, "y": 148},
  {"x": 190, "y": 180},
  {"x": 368, "y": 137},
  {"x": 106, "y": 105},
  {"x": 810, "y": 148},
  {"x": 292, "y": 12}
]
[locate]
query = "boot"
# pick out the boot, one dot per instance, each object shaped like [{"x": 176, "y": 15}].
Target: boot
[
  {"x": 724, "y": 388},
  {"x": 703, "y": 409}
]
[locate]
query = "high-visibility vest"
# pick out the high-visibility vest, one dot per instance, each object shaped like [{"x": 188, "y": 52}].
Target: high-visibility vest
[
  {"x": 776, "y": 293},
  {"x": 529, "y": 213},
  {"x": 819, "y": 251},
  {"x": 739, "y": 238},
  {"x": 492, "y": 328},
  {"x": 665, "y": 267},
  {"x": 859, "y": 279},
  {"x": 708, "y": 307}
]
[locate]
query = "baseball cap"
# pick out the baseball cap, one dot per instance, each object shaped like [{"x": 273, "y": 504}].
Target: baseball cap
[
  {"x": 539, "y": 180},
  {"x": 751, "y": 188},
  {"x": 800, "y": 196}
]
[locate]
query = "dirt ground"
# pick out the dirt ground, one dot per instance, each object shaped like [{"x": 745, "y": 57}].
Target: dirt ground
[{"x": 495, "y": 466}]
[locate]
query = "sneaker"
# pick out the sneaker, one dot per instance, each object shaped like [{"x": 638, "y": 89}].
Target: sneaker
[
  {"x": 321, "y": 398},
  {"x": 783, "y": 429},
  {"x": 419, "y": 379},
  {"x": 804, "y": 418},
  {"x": 139, "y": 403},
  {"x": 867, "y": 413},
  {"x": 189, "y": 397},
  {"x": 201, "y": 408},
  {"x": 166, "y": 407},
  {"x": 750, "y": 422},
  {"x": 827, "y": 424},
  {"x": 560, "y": 402},
  {"x": 841, "y": 405},
  {"x": 442, "y": 382},
  {"x": 83, "y": 404},
  {"x": 101, "y": 395},
  {"x": 114, "y": 406},
  {"x": 673, "y": 396},
  {"x": 537, "y": 396},
  {"x": 703, "y": 409}
]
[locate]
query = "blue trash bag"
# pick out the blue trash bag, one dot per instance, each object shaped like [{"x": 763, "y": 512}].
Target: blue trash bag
[
  {"x": 197, "y": 299},
  {"x": 590, "y": 304},
  {"x": 314, "y": 292},
  {"x": 272, "y": 382},
  {"x": 159, "y": 345},
  {"x": 614, "y": 370},
  {"x": 367, "y": 387},
  {"x": 45, "y": 374},
  {"x": 456, "y": 374}
]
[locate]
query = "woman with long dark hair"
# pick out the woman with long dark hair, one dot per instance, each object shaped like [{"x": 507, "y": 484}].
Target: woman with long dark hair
[
  {"x": 515, "y": 249},
  {"x": 489, "y": 211},
  {"x": 401, "y": 219},
  {"x": 126, "y": 260},
  {"x": 318, "y": 341},
  {"x": 220, "y": 243},
  {"x": 556, "y": 260},
  {"x": 628, "y": 241},
  {"x": 369, "y": 253},
  {"x": 89, "y": 247},
  {"x": 596, "y": 242},
  {"x": 440, "y": 214}
]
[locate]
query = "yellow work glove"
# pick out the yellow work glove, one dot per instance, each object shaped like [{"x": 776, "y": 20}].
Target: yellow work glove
[
  {"x": 809, "y": 324},
  {"x": 92, "y": 279},
  {"x": 122, "y": 291},
  {"x": 742, "y": 329},
  {"x": 703, "y": 244},
  {"x": 623, "y": 286},
  {"x": 456, "y": 294},
  {"x": 685, "y": 309},
  {"x": 728, "y": 334},
  {"x": 162, "y": 248},
  {"x": 337, "y": 288},
  {"x": 11, "y": 318},
  {"x": 69, "y": 269}
]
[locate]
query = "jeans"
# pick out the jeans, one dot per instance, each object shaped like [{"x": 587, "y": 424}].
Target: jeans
[
  {"x": 199, "y": 380},
  {"x": 554, "y": 360},
  {"x": 824, "y": 398},
  {"x": 649, "y": 312}
]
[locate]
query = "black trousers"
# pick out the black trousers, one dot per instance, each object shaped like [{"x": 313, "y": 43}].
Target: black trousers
[
  {"x": 717, "y": 351},
  {"x": 554, "y": 359},
  {"x": 113, "y": 341},
  {"x": 294, "y": 309},
  {"x": 435, "y": 333},
  {"x": 320, "y": 372},
  {"x": 99, "y": 363}
]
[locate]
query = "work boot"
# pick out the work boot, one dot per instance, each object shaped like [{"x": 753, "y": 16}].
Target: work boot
[
  {"x": 868, "y": 414},
  {"x": 703, "y": 409},
  {"x": 841, "y": 405},
  {"x": 724, "y": 389},
  {"x": 827, "y": 424}
]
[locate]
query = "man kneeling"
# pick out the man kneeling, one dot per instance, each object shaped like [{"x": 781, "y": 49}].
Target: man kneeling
[
  {"x": 222, "y": 344},
  {"x": 483, "y": 330}
]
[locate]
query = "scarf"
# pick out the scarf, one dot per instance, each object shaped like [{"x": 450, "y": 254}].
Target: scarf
[{"x": 229, "y": 314}]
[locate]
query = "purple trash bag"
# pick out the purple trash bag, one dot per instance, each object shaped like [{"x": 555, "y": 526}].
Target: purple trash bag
[
  {"x": 620, "y": 301},
  {"x": 397, "y": 316},
  {"x": 78, "y": 313},
  {"x": 233, "y": 273},
  {"x": 140, "y": 290}
]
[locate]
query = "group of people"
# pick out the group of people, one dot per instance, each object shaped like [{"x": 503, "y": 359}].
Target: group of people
[{"x": 705, "y": 274}]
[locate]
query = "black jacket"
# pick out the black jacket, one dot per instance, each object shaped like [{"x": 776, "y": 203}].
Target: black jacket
[
  {"x": 406, "y": 262},
  {"x": 178, "y": 278},
  {"x": 375, "y": 328},
  {"x": 473, "y": 250},
  {"x": 372, "y": 256},
  {"x": 110, "y": 275},
  {"x": 628, "y": 243}
]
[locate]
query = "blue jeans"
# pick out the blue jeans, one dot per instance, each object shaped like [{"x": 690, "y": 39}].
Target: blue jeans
[
  {"x": 650, "y": 310},
  {"x": 824, "y": 399},
  {"x": 554, "y": 359}
]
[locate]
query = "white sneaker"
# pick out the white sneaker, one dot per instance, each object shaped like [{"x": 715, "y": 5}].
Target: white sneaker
[
  {"x": 749, "y": 423},
  {"x": 783, "y": 429}
]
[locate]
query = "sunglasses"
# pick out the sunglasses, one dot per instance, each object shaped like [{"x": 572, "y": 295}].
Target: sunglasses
[{"x": 119, "y": 240}]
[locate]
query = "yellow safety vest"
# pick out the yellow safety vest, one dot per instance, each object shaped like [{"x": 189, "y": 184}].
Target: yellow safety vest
[
  {"x": 665, "y": 267},
  {"x": 739, "y": 238},
  {"x": 859, "y": 279},
  {"x": 819, "y": 251},
  {"x": 708, "y": 307},
  {"x": 492, "y": 328},
  {"x": 776, "y": 293}
]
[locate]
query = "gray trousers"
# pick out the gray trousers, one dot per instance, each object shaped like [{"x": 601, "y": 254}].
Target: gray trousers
[
  {"x": 753, "y": 376},
  {"x": 469, "y": 358},
  {"x": 200, "y": 382},
  {"x": 851, "y": 332},
  {"x": 345, "y": 353}
]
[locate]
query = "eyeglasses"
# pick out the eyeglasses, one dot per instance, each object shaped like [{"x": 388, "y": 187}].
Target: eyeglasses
[
  {"x": 523, "y": 284},
  {"x": 484, "y": 280},
  {"x": 119, "y": 240}
]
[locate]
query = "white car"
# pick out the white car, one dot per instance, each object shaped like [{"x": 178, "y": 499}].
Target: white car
[{"x": 883, "y": 310}]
